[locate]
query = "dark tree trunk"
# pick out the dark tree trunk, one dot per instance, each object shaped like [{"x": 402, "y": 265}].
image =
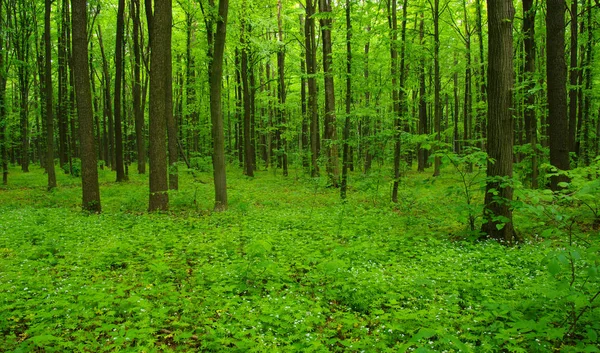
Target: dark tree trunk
[
  {"x": 3, "y": 115},
  {"x": 281, "y": 92},
  {"x": 468, "y": 102},
  {"x": 574, "y": 73},
  {"x": 346, "y": 133},
  {"x": 89, "y": 163},
  {"x": 160, "y": 38},
  {"x": 171, "y": 123},
  {"x": 498, "y": 197},
  {"x": 437, "y": 85},
  {"x": 530, "y": 118},
  {"x": 366, "y": 131},
  {"x": 248, "y": 148},
  {"x": 108, "y": 112},
  {"x": 138, "y": 113},
  {"x": 48, "y": 95},
  {"x": 557, "y": 89},
  {"x": 330, "y": 131},
  {"x": 63, "y": 103},
  {"x": 480, "y": 119},
  {"x": 118, "y": 86},
  {"x": 422, "y": 154},
  {"x": 311, "y": 70},
  {"x": 217, "y": 49}
]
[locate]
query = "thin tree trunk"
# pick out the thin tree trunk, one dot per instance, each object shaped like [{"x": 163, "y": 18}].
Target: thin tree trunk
[
  {"x": 437, "y": 84},
  {"x": 574, "y": 73},
  {"x": 248, "y": 153},
  {"x": 346, "y": 134},
  {"x": 48, "y": 95},
  {"x": 137, "y": 88},
  {"x": 530, "y": 118},
  {"x": 281, "y": 92},
  {"x": 89, "y": 169},
  {"x": 3, "y": 115},
  {"x": 422, "y": 154},
  {"x": 117, "y": 97},
  {"x": 311, "y": 70}
]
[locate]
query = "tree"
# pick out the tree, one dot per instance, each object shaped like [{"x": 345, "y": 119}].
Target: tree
[
  {"x": 530, "y": 118},
  {"x": 248, "y": 146},
  {"x": 281, "y": 90},
  {"x": 330, "y": 134},
  {"x": 498, "y": 193},
  {"x": 118, "y": 86},
  {"x": 311, "y": 70},
  {"x": 160, "y": 43},
  {"x": 48, "y": 95},
  {"x": 137, "y": 88},
  {"x": 81, "y": 71},
  {"x": 556, "y": 73},
  {"x": 346, "y": 133},
  {"x": 3, "y": 115},
  {"x": 216, "y": 48}
]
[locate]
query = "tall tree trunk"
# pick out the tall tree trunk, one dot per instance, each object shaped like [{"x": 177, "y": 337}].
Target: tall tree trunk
[
  {"x": 3, "y": 115},
  {"x": 530, "y": 117},
  {"x": 171, "y": 124},
  {"x": 468, "y": 102},
  {"x": 304, "y": 134},
  {"x": 108, "y": 112},
  {"x": 281, "y": 92},
  {"x": 63, "y": 110},
  {"x": 330, "y": 134},
  {"x": 346, "y": 133},
  {"x": 480, "y": 119},
  {"x": 118, "y": 86},
  {"x": 311, "y": 70},
  {"x": 585, "y": 147},
  {"x": 248, "y": 148},
  {"x": 137, "y": 88},
  {"x": 89, "y": 163},
  {"x": 557, "y": 89},
  {"x": 48, "y": 95},
  {"x": 366, "y": 133},
  {"x": 437, "y": 85},
  {"x": 217, "y": 49},
  {"x": 574, "y": 73},
  {"x": 159, "y": 27},
  {"x": 498, "y": 197},
  {"x": 423, "y": 120}
]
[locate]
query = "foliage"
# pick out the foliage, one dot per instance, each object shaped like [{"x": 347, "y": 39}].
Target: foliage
[{"x": 288, "y": 268}]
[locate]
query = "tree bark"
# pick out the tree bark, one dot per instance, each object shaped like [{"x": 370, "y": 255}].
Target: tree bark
[
  {"x": 346, "y": 133},
  {"x": 437, "y": 85},
  {"x": 574, "y": 73},
  {"x": 117, "y": 97},
  {"x": 530, "y": 117},
  {"x": 281, "y": 91},
  {"x": 160, "y": 37},
  {"x": 556, "y": 71},
  {"x": 498, "y": 196},
  {"x": 423, "y": 120},
  {"x": 3, "y": 115},
  {"x": 81, "y": 71},
  {"x": 216, "y": 112},
  {"x": 137, "y": 88},
  {"x": 330, "y": 133},
  {"x": 248, "y": 148},
  {"x": 311, "y": 70},
  {"x": 49, "y": 97}
]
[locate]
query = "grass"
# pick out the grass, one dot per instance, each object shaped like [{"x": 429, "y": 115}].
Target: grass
[{"x": 288, "y": 268}]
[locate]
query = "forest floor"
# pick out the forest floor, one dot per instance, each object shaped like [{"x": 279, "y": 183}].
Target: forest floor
[{"x": 291, "y": 268}]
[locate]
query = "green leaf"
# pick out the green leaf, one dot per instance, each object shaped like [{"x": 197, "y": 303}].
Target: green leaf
[{"x": 554, "y": 267}]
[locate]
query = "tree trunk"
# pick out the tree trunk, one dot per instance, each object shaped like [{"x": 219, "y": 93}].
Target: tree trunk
[
  {"x": 63, "y": 111},
  {"x": 556, "y": 71},
  {"x": 530, "y": 118},
  {"x": 137, "y": 88},
  {"x": 498, "y": 196},
  {"x": 171, "y": 123},
  {"x": 118, "y": 86},
  {"x": 423, "y": 130},
  {"x": 108, "y": 112},
  {"x": 48, "y": 95},
  {"x": 216, "y": 112},
  {"x": 330, "y": 131},
  {"x": 437, "y": 85},
  {"x": 311, "y": 70},
  {"x": 346, "y": 133},
  {"x": 160, "y": 38},
  {"x": 3, "y": 115},
  {"x": 89, "y": 163},
  {"x": 248, "y": 150},
  {"x": 281, "y": 92},
  {"x": 574, "y": 73}
]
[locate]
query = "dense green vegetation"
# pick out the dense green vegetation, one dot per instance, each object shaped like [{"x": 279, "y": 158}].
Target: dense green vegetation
[{"x": 292, "y": 268}]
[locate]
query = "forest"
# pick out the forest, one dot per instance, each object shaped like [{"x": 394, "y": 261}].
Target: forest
[{"x": 299, "y": 176}]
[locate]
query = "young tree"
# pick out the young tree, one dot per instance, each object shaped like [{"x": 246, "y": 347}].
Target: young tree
[
  {"x": 498, "y": 194},
  {"x": 160, "y": 40},
  {"x": 281, "y": 90},
  {"x": 3, "y": 115},
  {"x": 556, "y": 71},
  {"x": 89, "y": 168},
  {"x": 137, "y": 88},
  {"x": 311, "y": 70},
  {"x": 48, "y": 95}
]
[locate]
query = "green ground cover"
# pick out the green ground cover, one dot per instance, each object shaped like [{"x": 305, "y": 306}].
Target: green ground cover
[{"x": 291, "y": 268}]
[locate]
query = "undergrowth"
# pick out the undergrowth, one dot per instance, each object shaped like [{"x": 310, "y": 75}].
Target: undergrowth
[{"x": 291, "y": 268}]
